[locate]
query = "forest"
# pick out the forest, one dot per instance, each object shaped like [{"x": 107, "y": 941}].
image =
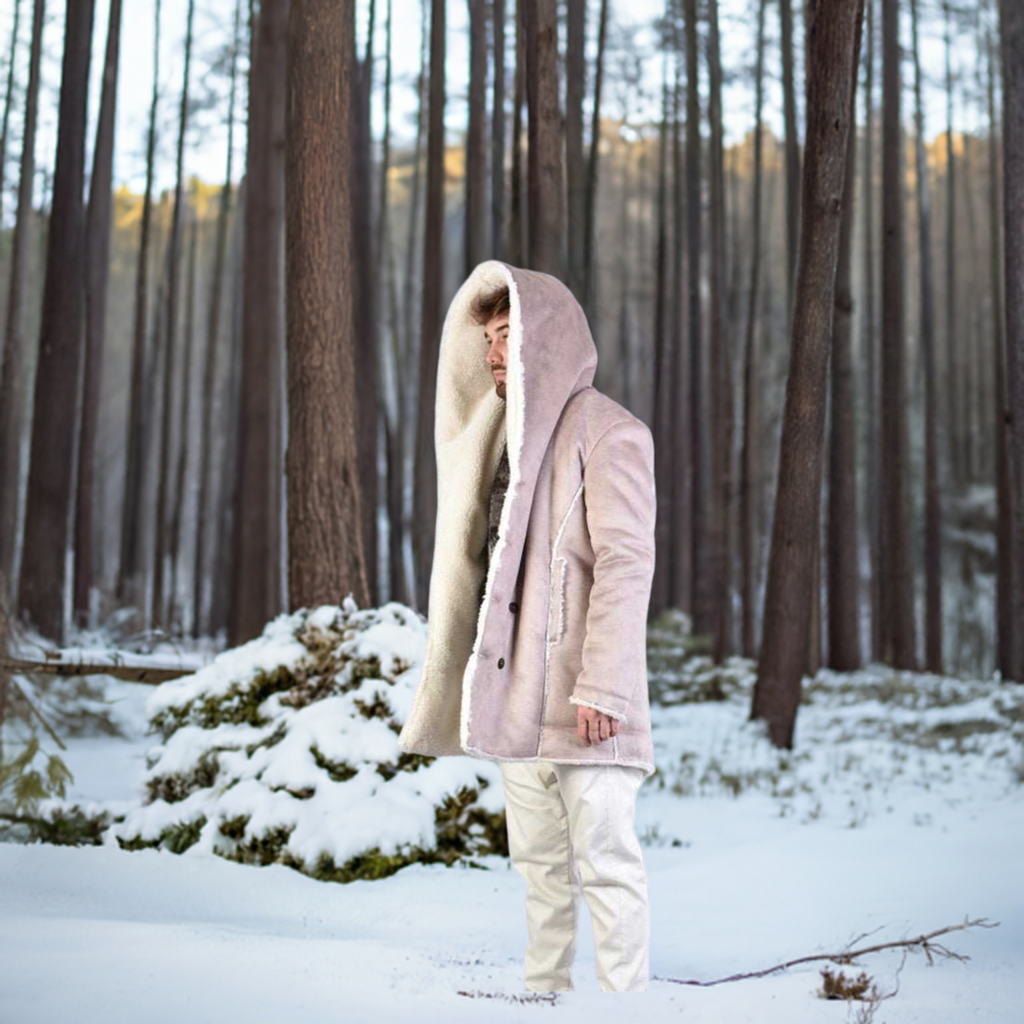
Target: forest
[
  {"x": 158, "y": 470},
  {"x": 231, "y": 232}
]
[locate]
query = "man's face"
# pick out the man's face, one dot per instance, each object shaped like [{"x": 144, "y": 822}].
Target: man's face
[{"x": 496, "y": 334}]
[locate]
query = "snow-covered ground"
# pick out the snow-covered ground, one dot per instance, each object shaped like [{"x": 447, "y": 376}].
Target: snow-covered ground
[{"x": 900, "y": 811}]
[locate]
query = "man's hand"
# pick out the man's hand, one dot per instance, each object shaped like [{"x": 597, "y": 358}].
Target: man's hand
[{"x": 593, "y": 726}]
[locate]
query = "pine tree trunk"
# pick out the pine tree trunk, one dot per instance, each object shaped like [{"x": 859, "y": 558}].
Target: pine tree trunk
[
  {"x": 662, "y": 398},
  {"x": 1012, "y": 31},
  {"x": 702, "y": 600},
  {"x": 425, "y": 499},
  {"x": 415, "y": 190},
  {"x": 498, "y": 135},
  {"x": 178, "y": 614},
  {"x": 896, "y": 566},
  {"x": 55, "y": 417},
  {"x": 129, "y": 582},
  {"x": 719, "y": 364},
  {"x": 954, "y": 360},
  {"x": 518, "y": 245},
  {"x": 162, "y": 601},
  {"x": 8, "y": 96},
  {"x": 831, "y": 84},
  {"x": 225, "y": 500},
  {"x": 367, "y": 349},
  {"x": 393, "y": 400},
  {"x": 326, "y": 559},
  {"x": 932, "y": 514},
  {"x": 475, "y": 242},
  {"x": 593, "y": 155},
  {"x": 200, "y": 622},
  {"x": 254, "y": 596},
  {"x": 750, "y": 458},
  {"x": 680, "y": 551},
  {"x": 97, "y": 240},
  {"x": 575, "y": 164},
  {"x": 1005, "y": 561},
  {"x": 869, "y": 340},
  {"x": 544, "y": 154},
  {"x": 792, "y": 148},
  {"x": 843, "y": 624},
  {"x": 12, "y": 370}
]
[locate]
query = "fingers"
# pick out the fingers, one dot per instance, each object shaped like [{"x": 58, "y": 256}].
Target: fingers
[
  {"x": 581, "y": 726},
  {"x": 593, "y": 727}
]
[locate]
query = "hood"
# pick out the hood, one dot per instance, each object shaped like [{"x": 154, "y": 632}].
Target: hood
[{"x": 551, "y": 356}]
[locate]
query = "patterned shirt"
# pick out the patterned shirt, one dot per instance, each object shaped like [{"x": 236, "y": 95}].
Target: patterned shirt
[{"x": 497, "y": 500}]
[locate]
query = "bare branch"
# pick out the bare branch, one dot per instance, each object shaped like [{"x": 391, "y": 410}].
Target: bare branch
[{"x": 923, "y": 943}]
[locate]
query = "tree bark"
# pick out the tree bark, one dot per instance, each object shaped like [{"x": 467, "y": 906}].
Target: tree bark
[
  {"x": 792, "y": 148},
  {"x": 97, "y": 241},
  {"x": 869, "y": 340},
  {"x": 593, "y": 156},
  {"x": 178, "y": 614},
  {"x": 1005, "y": 560},
  {"x": 575, "y": 164},
  {"x": 896, "y": 568},
  {"x": 702, "y": 600},
  {"x": 843, "y": 624},
  {"x": 129, "y": 583},
  {"x": 325, "y": 552},
  {"x": 1012, "y": 31},
  {"x": 750, "y": 458},
  {"x": 206, "y": 440},
  {"x": 8, "y": 96},
  {"x": 719, "y": 363},
  {"x": 662, "y": 398},
  {"x": 395, "y": 384},
  {"x": 831, "y": 79},
  {"x": 517, "y": 246},
  {"x": 254, "y": 597},
  {"x": 932, "y": 513},
  {"x": 425, "y": 512},
  {"x": 367, "y": 349},
  {"x": 544, "y": 153},
  {"x": 224, "y": 549},
  {"x": 12, "y": 371},
  {"x": 954, "y": 360},
  {"x": 475, "y": 242},
  {"x": 163, "y": 602},
  {"x": 679, "y": 553},
  {"x": 51, "y": 469},
  {"x": 498, "y": 135}
]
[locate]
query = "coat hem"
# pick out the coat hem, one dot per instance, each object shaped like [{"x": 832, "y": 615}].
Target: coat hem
[{"x": 617, "y": 762}]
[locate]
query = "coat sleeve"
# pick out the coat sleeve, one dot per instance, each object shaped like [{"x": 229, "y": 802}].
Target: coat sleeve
[{"x": 621, "y": 506}]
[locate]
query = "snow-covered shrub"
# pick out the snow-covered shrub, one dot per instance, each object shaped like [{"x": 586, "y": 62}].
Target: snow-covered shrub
[
  {"x": 285, "y": 750},
  {"x": 678, "y": 670}
]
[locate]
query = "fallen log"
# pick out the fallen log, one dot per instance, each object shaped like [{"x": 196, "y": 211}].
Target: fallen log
[{"x": 149, "y": 674}]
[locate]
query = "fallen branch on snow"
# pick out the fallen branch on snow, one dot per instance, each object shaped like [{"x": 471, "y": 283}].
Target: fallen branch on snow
[
  {"x": 129, "y": 673},
  {"x": 924, "y": 943}
]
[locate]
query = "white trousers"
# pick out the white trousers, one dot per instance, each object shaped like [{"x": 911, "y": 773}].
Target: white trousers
[{"x": 571, "y": 827}]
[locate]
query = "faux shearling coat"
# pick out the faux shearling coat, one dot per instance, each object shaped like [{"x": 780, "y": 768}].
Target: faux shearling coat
[{"x": 564, "y": 614}]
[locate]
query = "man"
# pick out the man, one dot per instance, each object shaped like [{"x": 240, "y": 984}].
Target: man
[{"x": 536, "y": 645}]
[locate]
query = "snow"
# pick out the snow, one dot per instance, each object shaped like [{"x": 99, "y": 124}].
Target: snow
[{"x": 900, "y": 811}]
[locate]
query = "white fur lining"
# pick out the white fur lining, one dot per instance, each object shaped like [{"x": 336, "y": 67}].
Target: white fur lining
[
  {"x": 514, "y": 435},
  {"x": 597, "y": 707}
]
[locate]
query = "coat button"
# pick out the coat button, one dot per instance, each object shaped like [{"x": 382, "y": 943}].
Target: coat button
[
  {"x": 513, "y": 607},
  {"x": 501, "y": 663}
]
